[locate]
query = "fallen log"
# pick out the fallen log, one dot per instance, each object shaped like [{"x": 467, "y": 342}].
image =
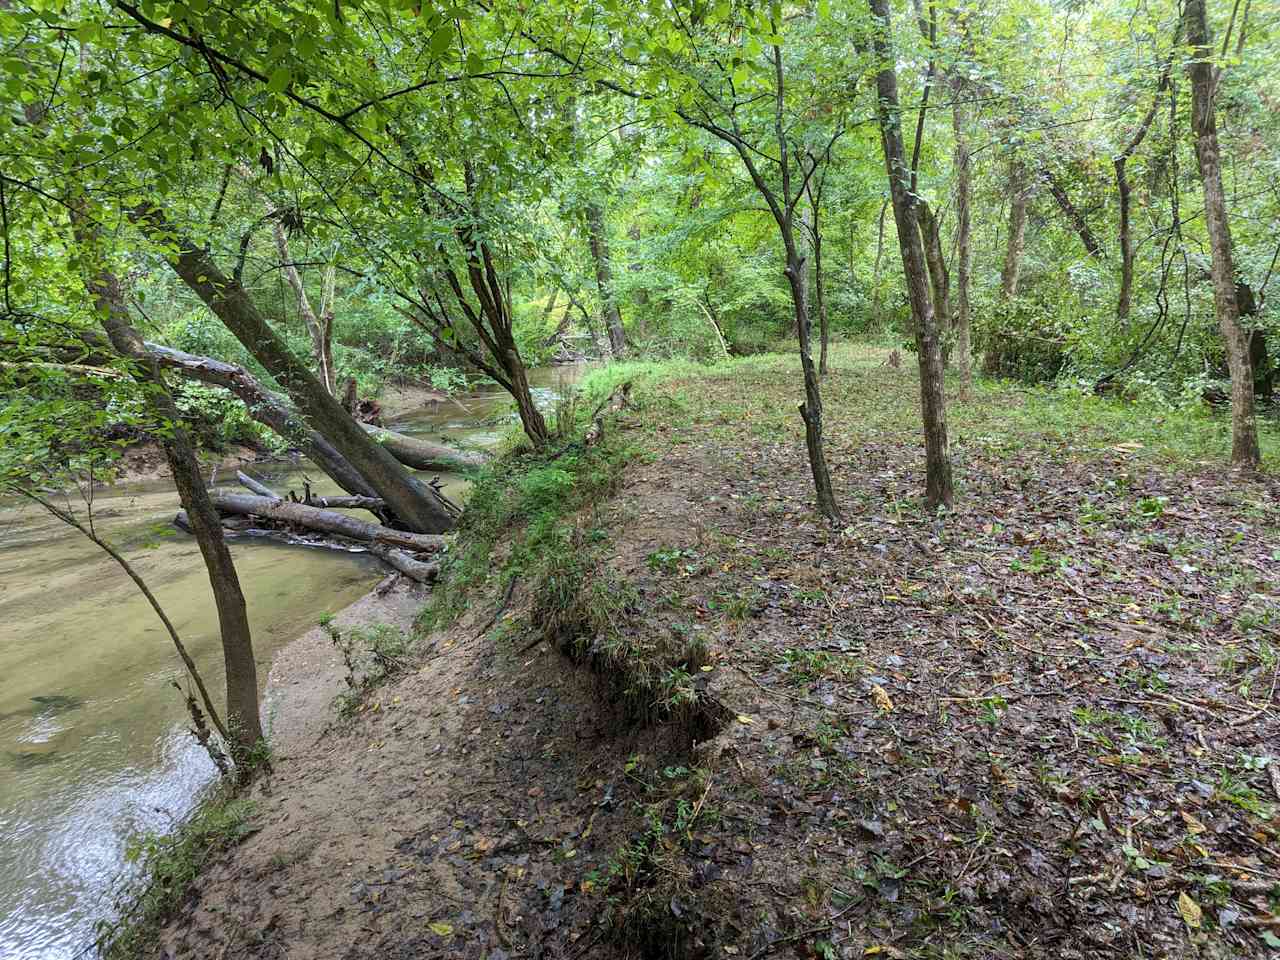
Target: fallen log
[
  {"x": 423, "y": 454},
  {"x": 418, "y": 570},
  {"x": 326, "y": 521},
  {"x": 261, "y": 489},
  {"x": 372, "y": 504}
]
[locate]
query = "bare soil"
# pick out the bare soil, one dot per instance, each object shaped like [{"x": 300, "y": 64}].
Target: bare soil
[{"x": 1044, "y": 725}]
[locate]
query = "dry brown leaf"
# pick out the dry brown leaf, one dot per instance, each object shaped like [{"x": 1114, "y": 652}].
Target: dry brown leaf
[{"x": 881, "y": 698}]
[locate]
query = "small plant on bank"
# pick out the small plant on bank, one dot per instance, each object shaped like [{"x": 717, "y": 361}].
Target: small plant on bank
[{"x": 371, "y": 655}]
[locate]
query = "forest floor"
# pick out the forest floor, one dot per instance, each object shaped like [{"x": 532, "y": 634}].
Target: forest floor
[{"x": 1044, "y": 724}]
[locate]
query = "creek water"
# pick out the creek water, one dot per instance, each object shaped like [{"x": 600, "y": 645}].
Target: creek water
[{"x": 93, "y": 744}]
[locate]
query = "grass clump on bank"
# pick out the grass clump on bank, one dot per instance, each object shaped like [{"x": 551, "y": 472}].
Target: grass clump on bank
[
  {"x": 166, "y": 867},
  {"x": 546, "y": 520}
]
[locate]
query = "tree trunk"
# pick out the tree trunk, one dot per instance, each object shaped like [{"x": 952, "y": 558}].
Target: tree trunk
[
  {"x": 1245, "y": 453},
  {"x": 243, "y": 720},
  {"x": 599, "y": 242},
  {"x": 1019, "y": 197},
  {"x": 415, "y": 504},
  {"x": 938, "y": 479},
  {"x": 964, "y": 243},
  {"x": 319, "y": 331},
  {"x": 935, "y": 261},
  {"x": 267, "y": 408},
  {"x": 811, "y": 409},
  {"x": 820, "y": 291}
]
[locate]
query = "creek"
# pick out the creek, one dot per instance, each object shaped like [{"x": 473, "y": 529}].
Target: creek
[{"x": 94, "y": 749}]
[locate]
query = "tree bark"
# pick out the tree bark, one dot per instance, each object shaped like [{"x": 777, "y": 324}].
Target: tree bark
[
  {"x": 598, "y": 240},
  {"x": 938, "y": 476},
  {"x": 267, "y": 408},
  {"x": 415, "y": 505},
  {"x": 243, "y": 720},
  {"x": 964, "y": 242},
  {"x": 1245, "y": 453},
  {"x": 1124, "y": 301}
]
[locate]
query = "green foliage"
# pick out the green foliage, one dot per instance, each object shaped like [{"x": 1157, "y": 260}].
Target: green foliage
[{"x": 217, "y": 418}]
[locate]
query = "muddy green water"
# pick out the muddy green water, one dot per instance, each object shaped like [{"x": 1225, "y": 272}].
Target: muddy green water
[{"x": 93, "y": 749}]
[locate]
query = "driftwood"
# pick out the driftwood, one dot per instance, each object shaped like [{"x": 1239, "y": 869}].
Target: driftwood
[
  {"x": 410, "y": 566},
  {"x": 372, "y": 504},
  {"x": 258, "y": 487},
  {"x": 423, "y": 454},
  {"x": 398, "y": 560},
  {"x": 324, "y": 521}
]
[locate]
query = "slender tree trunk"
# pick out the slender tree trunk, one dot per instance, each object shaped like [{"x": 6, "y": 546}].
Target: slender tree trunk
[
  {"x": 243, "y": 720},
  {"x": 938, "y": 482},
  {"x": 414, "y": 504},
  {"x": 598, "y": 240},
  {"x": 877, "y": 298},
  {"x": 811, "y": 409},
  {"x": 964, "y": 243},
  {"x": 939, "y": 279},
  {"x": 820, "y": 292},
  {"x": 1124, "y": 302},
  {"x": 1245, "y": 453},
  {"x": 1019, "y": 198},
  {"x": 319, "y": 331}
]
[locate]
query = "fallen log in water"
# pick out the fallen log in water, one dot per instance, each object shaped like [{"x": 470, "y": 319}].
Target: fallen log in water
[
  {"x": 411, "y": 567},
  {"x": 423, "y": 454},
  {"x": 325, "y": 521},
  {"x": 420, "y": 570},
  {"x": 372, "y": 504}
]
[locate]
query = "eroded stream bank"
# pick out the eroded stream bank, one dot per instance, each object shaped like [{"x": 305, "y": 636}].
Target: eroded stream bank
[{"x": 92, "y": 742}]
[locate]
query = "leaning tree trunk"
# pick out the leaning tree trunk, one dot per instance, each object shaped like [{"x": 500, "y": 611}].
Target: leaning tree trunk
[
  {"x": 598, "y": 240},
  {"x": 243, "y": 719},
  {"x": 269, "y": 409},
  {"x": 1072, "y": 213},
  {"x": 415, "y": 504},
  {"x": 1245, "y": 453},
  {"x": 938, "y": 479},
  {"x": 964, "y": 242}
]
